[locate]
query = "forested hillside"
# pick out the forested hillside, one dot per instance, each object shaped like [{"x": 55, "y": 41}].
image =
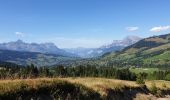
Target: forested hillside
[{"x": 27, "y": 58}]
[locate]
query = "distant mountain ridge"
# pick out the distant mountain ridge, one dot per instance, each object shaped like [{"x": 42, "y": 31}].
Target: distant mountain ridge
[
  {"x": 48, "y": 48},
  {"x": 47, "y": 54},
  {"x": 116, "y": 45},
  {"x": 26, "y": 58},
  {"x": 129, "y": 40}
]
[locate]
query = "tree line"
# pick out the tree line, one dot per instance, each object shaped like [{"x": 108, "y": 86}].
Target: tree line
[{"x": 32, "y": 71}]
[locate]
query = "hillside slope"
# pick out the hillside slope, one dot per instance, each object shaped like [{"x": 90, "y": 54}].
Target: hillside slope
[
  {"x": 153, "y": 51},
  {"x": 27, "y": 58}
]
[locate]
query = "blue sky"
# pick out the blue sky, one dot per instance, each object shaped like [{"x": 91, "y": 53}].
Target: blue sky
[{"x": 82, "y": 23}]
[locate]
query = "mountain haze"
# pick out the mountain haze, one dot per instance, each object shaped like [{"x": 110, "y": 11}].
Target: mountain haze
[
  {"x": 48, "y": 48},
  {"x": 116, "y": 45}
]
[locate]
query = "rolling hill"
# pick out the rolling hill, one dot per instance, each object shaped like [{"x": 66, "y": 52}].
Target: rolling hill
[
  {"x": 27, "y": 58},
  {"x": 153, "y": 51}
]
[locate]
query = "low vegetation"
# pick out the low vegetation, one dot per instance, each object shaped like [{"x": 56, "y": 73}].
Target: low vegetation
[
  {"x": 44, "y": 89},
  {"x": 77, "y": 88},
  {"x": 110, "y": 83},
  {"x": 126, "y": 73}
]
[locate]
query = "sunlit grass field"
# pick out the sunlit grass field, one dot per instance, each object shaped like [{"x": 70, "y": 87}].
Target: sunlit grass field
[
  {"x": 96, "y": 84},
  {"x": 99, "y": 85},
  {"x": 159, "y": 84}
]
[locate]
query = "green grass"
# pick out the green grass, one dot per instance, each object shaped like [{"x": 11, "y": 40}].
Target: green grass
[
  {"x": 159, "y": 59},
  {"x": 146, "y": 70}
]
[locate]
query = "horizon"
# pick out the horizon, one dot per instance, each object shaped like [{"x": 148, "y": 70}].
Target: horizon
[
  {"x": 20, "y": 40},
  {"x": 85, "y": 23}
]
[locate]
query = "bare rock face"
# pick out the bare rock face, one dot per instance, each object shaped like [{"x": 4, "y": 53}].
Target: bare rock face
[{"x": 49, "y": 48}]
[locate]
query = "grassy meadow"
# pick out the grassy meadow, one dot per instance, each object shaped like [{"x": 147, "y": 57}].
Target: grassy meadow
[
  {"x": 146, "y": 70},
  {"x": 76, "y": 88}
]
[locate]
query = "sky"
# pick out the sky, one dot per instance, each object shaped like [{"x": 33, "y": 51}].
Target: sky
[{"x": 82, "y": 23}]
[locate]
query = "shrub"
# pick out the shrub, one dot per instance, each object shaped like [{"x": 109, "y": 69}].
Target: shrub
[
  {"x": 153, "y": 88},
  {"x": 164, "y": 85},
  {"x": 139, "y": 79},
  {"x": 167, "y": 77}
]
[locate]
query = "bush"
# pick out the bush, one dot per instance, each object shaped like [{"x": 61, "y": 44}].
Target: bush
[
  {"x": 153, "y": 88},
  {"x": 139, "y": 79},
  {"x": 164, "y": 85},
  {"x": 167, "y": 77}
]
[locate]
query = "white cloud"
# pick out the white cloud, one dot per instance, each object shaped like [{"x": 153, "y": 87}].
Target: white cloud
[
  {"x": 132, "y": 28},
  {"x": 19, "y": 33},
  {"x": 160, "y": 28}
]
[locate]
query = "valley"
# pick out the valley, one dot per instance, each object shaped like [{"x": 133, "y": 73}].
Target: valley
[
  {"x": 139, "y": 71},
  {"x": 84, "y": 50}
]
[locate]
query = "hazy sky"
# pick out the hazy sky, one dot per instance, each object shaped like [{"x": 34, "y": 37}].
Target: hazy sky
[{"x": 82, "y": 23}]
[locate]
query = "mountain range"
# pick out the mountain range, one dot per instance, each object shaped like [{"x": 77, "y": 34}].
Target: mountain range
[
  {"x": 116, "y": 45},
  {"x": 48, "y": 54},
  {"x": 48, "y": 48},
  {"x": 44, "y": 54}
]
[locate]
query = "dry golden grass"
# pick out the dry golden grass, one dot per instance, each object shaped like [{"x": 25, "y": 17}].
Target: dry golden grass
[
  {"x": 99, "y": 85},
  {"x": 159, "y": 84},
  {"x": 102, "y": 84},
  {"x": 140, "y": 96},
  {"x": 18, "y": 84}
]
